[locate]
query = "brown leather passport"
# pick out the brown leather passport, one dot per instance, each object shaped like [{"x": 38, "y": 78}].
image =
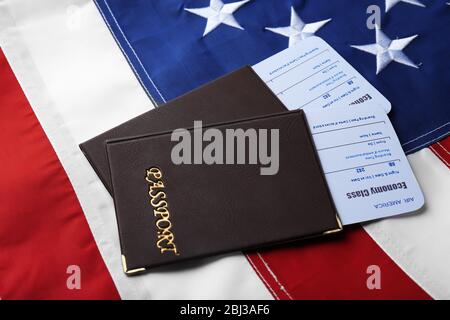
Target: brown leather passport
[
  {"x": 240, "y": 94},
  {"x": 169, "y": 212}
]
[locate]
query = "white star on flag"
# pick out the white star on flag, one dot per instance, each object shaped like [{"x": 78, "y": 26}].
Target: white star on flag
[
  {"x": 388, "y": 50},
  {"x": 218, "y": 13},
  {"x": 298, "y": 30},
  {"x": 391, "y": 3}
]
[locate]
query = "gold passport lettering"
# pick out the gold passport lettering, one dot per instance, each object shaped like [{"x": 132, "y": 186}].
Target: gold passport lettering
[{"x": 158, "y": 200}]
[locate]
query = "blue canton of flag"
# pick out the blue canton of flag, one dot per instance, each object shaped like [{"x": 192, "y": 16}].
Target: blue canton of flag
[{"x": 175, "y": 46}]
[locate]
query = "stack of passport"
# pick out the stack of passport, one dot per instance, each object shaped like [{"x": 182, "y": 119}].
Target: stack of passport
[{"x": 168, "y": 212}]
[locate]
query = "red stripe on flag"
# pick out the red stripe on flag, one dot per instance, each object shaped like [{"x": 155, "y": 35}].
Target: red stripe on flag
[
  {"x": 43, "y": 229},
  {"x": 333, "y": 269},
  {"x": 442, "y": 150}
]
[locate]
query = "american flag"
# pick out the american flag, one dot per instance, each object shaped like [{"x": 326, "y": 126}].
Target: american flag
[{"x": 73, "y": 69}]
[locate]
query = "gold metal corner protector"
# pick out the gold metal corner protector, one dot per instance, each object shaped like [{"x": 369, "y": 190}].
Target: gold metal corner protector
[
  {"x": 125, "y": 268},
  {"x": 335, "y": 230}
]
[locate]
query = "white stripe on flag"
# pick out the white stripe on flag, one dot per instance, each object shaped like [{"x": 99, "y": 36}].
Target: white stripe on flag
[{"x": 420, "y": 243}]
